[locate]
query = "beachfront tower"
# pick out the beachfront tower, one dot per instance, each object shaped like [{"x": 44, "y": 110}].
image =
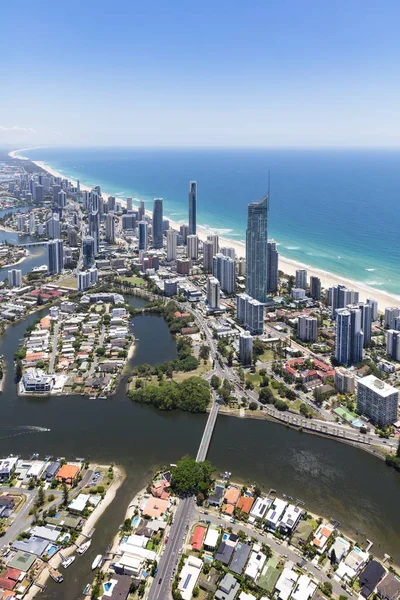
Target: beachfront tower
[
  {"x": 110, "y": 228},
  {"x": 171, "y": 244},
  {"x": 143, "y": 239},
  {"x": 192, "y": 207},
  {"x": 257, "y": 250},
  {"x": 158, "y": 223},
  {"x": 272, "y": 269}
]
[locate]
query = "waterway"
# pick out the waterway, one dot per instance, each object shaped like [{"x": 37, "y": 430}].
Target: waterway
[
  {"x": 37, "y": 254},
  {"x": 333, "y": 479}
]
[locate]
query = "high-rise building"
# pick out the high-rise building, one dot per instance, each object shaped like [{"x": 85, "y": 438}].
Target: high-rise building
[
  {"x": 377, "y": 400},
  {"x": 192, "y": 208},
  {"x": 307, "y": 328},
  {"x": 315, "y": 287},
  {"x": 165, "y": 225},
  {"x": 193, "y": 247},
  {"x": 390, "y": 315},
  {"x": 55, "y": 256},
  {"x": 272, "y": 269},
  {"x": 53, "y": 227},
  {"x": 111, "y": 204},
  {"x": 128, "y": 221},
  {"x": 21, "y": 222},
  {"x": 56, "y": 191},
  {"x": 184, "y": 231},
  {"x": 349, "y": 335},
  {"x": 393, "y": 344},
  {"x": 38, "y": 194},
  {"x": 228, "y": 251},
  {"x": 245, "y": 348},
  {"x": 94, "y": 229},
  {"x": 215, "y": 242},
  {"x": 257, "y": 250},
  {"x": 250, "y": 313},
  {"x": 183, "y": 266},
  {"x": 344, "y": 380},
  {"x": 213, "y": 292},
  {"x": 208, "y": 253},
  {"x": 72, "y": 236},
  {"x": 366, "y": 316},
  {"x": 129, "y": 204},
  {"x": 224, "y": 269},
  {"x": 341, "y": 296},
  {"x": 88, "y": 251},
  {"x": 32, "y": 223},
  {"x": 396, "y": 323},
  {"x": 110, "y": 227},
  {"x": 15, "y": 277},
  {"x": 141, "y": 210},
  {"x": 171, "y": 244},
  {"x": 62, "y": 199},
  {"x": 374, "y": 305},
  {"x": 301, "y": 279},
  {"x": 143, "y": 236},
  {"x": 158, "y": 223}
]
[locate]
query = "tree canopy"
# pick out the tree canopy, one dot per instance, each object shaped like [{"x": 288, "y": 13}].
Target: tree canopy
[
  {"x": 192, "y": 395},
  {"x": 190, "y": 477}
]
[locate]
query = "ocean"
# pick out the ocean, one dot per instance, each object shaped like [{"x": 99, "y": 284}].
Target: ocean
[{"x": 331, "y": 209}]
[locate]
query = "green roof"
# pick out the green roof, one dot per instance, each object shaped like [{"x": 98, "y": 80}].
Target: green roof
[
  {"x": 22, "y": 561},
  {"x": 345, "y": 414}
]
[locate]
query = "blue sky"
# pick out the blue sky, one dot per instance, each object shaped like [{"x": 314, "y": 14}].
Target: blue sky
[{"x": 222, "y": 73}]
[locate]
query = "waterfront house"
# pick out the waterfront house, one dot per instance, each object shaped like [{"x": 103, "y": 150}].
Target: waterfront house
[
  {"x": 231, "y": 497},
  {"x": 322, "y": 536},
  {"x": 352, "y": 564},
  {"x": 290, "y": 519},
  {"x": 340, "y": 547},
  {"x": 51, "y": 533},
  {"x": 275, "y": 514},
  {"x": 240, "y": 557},
  {"x": 389, "y": 587},
  {"x": 260, "y": 508},
  {"x": 245, "y": 504},
  {"x": 7, "y": 501},
  {"x": 67, "y": 474},
  {"x": 32, "y": 545},
  {"x": 155, "y": 507},
  {"x": 7, "y": 467},
  {"x": 51, "y": 471},
  {"x": 370, "y": 577},
  {"x": 9, "y": 579},
  {"x": 79, "y": 503}
]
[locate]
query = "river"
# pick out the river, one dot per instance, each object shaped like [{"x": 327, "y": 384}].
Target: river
[
  {"x": 333, "y": 479},
  {"x": 36, "y": 255}
]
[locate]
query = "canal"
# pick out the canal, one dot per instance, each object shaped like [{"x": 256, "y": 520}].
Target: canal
[{"x": 333, "y": 479}]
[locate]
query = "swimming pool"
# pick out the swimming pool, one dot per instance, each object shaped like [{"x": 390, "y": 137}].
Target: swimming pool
[
  {"x": 108, "y": 587},
  {"x": 51, "y": 550},
  {"x": 135, "y": 521}
]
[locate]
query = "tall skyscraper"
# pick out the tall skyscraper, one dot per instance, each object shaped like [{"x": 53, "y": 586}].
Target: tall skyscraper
[
  {"x": 315, "y": 287},
  {"x": 110, "y": 227},
  {"x": 141, "y": 210},
  {"x": 250, "y": 313},
  {"x": 15, "y": 277},
  {"x": 301, "y": 279},
  {"x": 192, "y": 208},
  {"x": 392, "y": 342},
  {"x": 272, "y": 269},
  {"x": 341, "y": 296},
  {"x": 111, "y": 203},
  {"x": 55, "y": 256},
  {"x": 257, "y": 250},
  {"x": 208, "y": 253},
  {"x": 366, "y": 320},
  {"x": 53, "y": 227},
  {"x": 171, "y": 244},
  {"x": 213, "y": 292},
  {"x": 224, "y": 269},
  {"x": 390, "y": 315},
  {"x": 307, "y": 328},
  {"x": 143, "y": 237},
  {"x": 32, "y": 223},
  {"x": 20, "y": 222},
  {"x": 184, "y": 231},
  {"x": 158, "y": 223},
  {"x": 88, "y": 251},
  {"x": 228, "y": 251},
  {"x": 129, "y": 204},
  {"x": 377, "y": 400},
  {"x": 245, "y": 348},
  {"x": 374, "y": 304},
  {"x": 349, "y": 335},
  {"x": 62, "y": 199},
  {"x": 193, "y": 247},
  {"x": 215, "y": 242},
  {"x": 94, "y": 229}
]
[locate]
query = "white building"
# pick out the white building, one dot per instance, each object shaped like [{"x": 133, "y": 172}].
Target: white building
[
  {"x": 211, "y": 539},
  {"x": 377, "y": 400},
  {"x": 392, "y": 344},
  {"x": 304, "y": 588},
  {"x": 245, "y": 348},
  {"x": 36, "y": 380},
  {"x": 390, "y": 315},
  {"x": 298, "y": 293},
  {"x": 340, "y": 547},
  {"x": 307, "y": 328},
  {"x": 193, "y": 247},
  {"x": 275, "y": 513},
  {"x": 171, "y": 244},
  {"x": 250, "y": 313},
  {"x": 290, "y": 519},
  {"x": 260, "y": 508},
  {"x": 189, "y": 576},
  {"x": 256, "y": 563},
  {"x": 212, "y": 292},
  {"x": 345, "y": 380},
  {"x": 286, "y": 583},
  {"x": 15, "y": 278},
  {"x": 301, "y": 279}
]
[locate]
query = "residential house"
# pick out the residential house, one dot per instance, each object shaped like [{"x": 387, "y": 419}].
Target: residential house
[
  {"x": 275, "y": 514},
  {"x": 228, "y": 588},
  {"x": 67, "y": 474},
  {"x": 189, "y": 576},
  {"x": 389, "y": 587},
  {"x": 240, "y": 557},
  {"x": 370, "y": 577},
  {"x": 322, "y": 536},
  {"x": 216, "y": 498},
  {"x": 304, "y": 588}
]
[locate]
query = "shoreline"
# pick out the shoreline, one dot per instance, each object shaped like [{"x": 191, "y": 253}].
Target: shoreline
[
  {"x": 119, "y": 478},
  {"x": 287, "y": 265}
]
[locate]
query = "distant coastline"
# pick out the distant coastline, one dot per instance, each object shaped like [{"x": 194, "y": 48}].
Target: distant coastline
[{"x": 385, "y": 299}]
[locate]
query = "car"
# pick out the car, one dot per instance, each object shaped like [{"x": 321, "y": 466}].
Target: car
[
  {"x": 285, "y": 556},
  {"x": 160, "y": 580},
  {"x": 166, "y": 540},
  {"x": 318, "y": 567}
]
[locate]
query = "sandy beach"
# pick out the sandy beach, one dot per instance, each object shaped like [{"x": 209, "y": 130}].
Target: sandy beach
[{"x": 288, "y": 266}]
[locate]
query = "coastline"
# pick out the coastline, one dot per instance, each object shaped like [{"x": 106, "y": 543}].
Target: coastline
[{"x": 287, "y": 265}]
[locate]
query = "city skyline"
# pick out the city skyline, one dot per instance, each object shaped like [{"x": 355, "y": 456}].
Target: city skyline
[{"x": 201, "y": 75}]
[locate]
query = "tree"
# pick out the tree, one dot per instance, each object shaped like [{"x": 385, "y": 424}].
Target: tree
[
  {"x": 190, "y": 477},
  {"x": 215, "y": 382},
  {"x": 258, "y": 347},
  {"x": 333, "y": 556},
  {"x": 327, "y": 588},
  {"x": 18, "y": 370},
  {"x": 204, "y": 352},
  {"x": 195, "y": 394},
  {"x": 253, "y": 405},
  {"x": 65, "y": 494},
  {"x": 266, "y": 395},
  {"x": 40, "y": 500},
  {"x": 196, "y": 592}
]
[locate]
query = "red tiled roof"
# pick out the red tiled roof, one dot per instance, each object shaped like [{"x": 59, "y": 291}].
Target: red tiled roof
[{"x": 198, "y": 538}]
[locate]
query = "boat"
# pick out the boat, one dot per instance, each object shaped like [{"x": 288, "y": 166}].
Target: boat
[
  {"x": 68, "y": 561},
  {"x": 56, "y": 575},
  {"x": 102, "y": 397},
  {"x": 98, "y": 561},
  {"x": 83, "y": 547},
  {"x": 87, "y": 589},
  {"x": 92, "y": 397}
]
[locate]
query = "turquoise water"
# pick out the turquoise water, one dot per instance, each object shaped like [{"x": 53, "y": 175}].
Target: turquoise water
[{"x": 331, "y": 209}]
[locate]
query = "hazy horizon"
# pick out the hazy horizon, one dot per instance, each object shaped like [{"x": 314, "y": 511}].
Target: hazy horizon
[{"x": 263, "y": 75}]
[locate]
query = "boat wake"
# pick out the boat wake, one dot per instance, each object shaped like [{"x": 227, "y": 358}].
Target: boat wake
[{"x": 20, "y": 430}]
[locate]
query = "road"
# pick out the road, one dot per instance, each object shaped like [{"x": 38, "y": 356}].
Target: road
[
  {"x": 161, "y": 586},
  {"x": 22, "y": 519},
  {"x": 208, "y": 431},
  {"x": 54, "y": 348},
  {"x": 279, "y": 548}
]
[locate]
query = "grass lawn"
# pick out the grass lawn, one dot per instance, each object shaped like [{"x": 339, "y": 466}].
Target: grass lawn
[
  {"x": 267, "y": 356},
  {"x": 254, "y": 378},
  {"x": 134, "y": 280},
  {"x": 69, "y": 282},
  {"x": 199, "y": 372}
]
